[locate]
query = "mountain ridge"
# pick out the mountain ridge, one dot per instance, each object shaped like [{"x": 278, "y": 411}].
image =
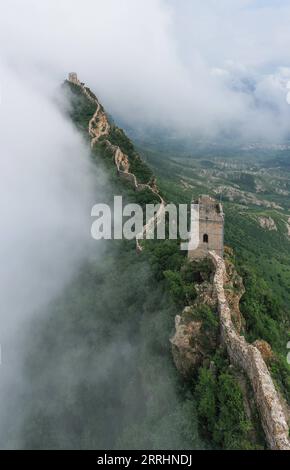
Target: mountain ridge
[{"x": 99, "y": 130}]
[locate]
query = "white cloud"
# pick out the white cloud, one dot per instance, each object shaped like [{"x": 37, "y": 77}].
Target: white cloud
[
  {"x": 47, "y": 189},
  {"x": 153, "y": 61},
  {"x": 44, "y": 168}
]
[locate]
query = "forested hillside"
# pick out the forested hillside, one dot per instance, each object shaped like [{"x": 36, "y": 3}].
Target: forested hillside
[
  {"x": 101, "y": 370},
  {"x": 261, "y": 255},
  {"x": 98, "y": 359}
]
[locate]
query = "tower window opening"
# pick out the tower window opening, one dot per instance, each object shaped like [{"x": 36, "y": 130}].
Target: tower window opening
[{"x": 205, "y": 238}]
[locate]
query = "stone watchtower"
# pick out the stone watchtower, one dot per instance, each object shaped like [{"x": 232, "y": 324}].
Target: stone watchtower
[
  {"x": 211, "y": 228},
  {"x": 73, "y": 78}
]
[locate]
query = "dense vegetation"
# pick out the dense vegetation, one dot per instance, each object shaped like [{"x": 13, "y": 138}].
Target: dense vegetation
[
  {"x": 182, "y": 282},
  {"x": 262, "y": 257},
  {"x": 264, "y": 263},
  {"x": 221, "y": 408},
  {"x": 142, "y": 171},
  {"x": 80, "y": 109},
  {"x": 100, "y": 364}
]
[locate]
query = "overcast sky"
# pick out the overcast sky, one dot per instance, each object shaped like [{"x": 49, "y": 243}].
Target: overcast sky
[{"x": 206, "y": 65}]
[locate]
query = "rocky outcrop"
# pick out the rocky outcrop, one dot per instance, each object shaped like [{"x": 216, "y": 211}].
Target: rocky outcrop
[
  {"x": 265, "y": 349},
  {"x": 249, "y": 358},
  {"x": 99, "y": 127},
  {"x": 234, "y": 290},
  {"x": 267, "y": 223},
  {"x": 186, "y": 344},
  {"x": 243, "y": 197},
  {"x": 192, "y": 344},
  {"x": 288, "y": 227}
]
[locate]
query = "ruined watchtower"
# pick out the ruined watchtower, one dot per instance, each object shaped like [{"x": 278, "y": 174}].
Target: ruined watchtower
[
  {"x": 73, "y": 78},
  {"x": 211, "y": 228}
]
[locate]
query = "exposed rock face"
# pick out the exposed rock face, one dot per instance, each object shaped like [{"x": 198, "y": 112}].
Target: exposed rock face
[
  {"x": 99, "y": 126},
  {"x": 288, "y": 227},
  {"x": 265, "y": 349},
  {"x": 249, "y": 358},
  {"x": 186, "y": 350},
  {"x": 243, "y": 197},
  {"x": 191, "y": 344},
  {"x": 267, "y": 223},
  {"x": 122, "y": 162},
  {"x": 206, "y": 294},
  {"x": 234, "y": 290}
]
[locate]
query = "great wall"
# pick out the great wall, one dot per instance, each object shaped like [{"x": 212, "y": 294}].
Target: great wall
[
  {"x": 248, "y": 357},
  {"x": 241, "y": 354},
  {"x": 99, "y": 126}
]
